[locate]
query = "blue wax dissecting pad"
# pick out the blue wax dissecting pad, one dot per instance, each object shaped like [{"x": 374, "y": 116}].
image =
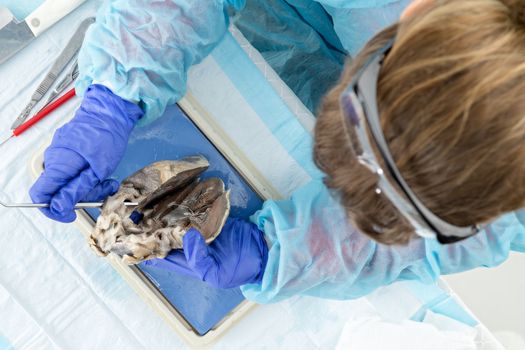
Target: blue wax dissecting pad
[{"x": 175, "y": 136}]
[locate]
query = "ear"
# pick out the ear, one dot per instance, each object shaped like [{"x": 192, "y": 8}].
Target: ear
[{"x": 414, "y": 7}]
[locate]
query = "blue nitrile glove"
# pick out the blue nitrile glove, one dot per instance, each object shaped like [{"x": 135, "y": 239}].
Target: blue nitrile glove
[
  {"x": 236, "y": 257},
  {"x": 84, "y": 152}
]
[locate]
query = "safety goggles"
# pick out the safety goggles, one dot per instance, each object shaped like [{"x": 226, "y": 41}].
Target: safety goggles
[{"x": 359, "y": 104}]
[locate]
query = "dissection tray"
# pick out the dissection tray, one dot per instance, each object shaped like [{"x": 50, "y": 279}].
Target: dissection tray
[{"x": 195, "y": 310}]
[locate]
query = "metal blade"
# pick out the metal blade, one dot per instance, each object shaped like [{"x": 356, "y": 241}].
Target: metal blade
[
  {"x": 14, "y": 35},
  {"x": 5, "y": 16}
]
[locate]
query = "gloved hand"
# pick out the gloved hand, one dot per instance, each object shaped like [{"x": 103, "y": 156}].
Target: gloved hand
[
  {"x": 237, "y": 256},
  {"x": 84, "y": 152}
]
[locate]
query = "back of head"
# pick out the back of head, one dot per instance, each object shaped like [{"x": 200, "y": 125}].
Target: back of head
[{"x": 450, "y": 96}]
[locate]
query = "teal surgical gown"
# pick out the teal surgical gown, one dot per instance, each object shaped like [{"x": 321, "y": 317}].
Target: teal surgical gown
[
  {"x": 314, "y": 250},
  {"x": 143, "y": 49}
]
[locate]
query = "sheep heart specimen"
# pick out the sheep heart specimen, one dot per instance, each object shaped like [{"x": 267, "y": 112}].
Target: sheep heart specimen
[{"x": 171, "y": 200}]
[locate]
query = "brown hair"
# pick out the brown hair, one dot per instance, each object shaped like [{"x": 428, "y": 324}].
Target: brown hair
[{"x": 452, "y": 107}]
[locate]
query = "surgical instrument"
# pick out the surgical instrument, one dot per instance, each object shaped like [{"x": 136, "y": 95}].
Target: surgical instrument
[
  {"x": 15, "y": 35},
  {"x": 64, "y": 83},
  {"x": 46, "y": 205},
  {"x": 71, "y": 49},
  {"x": 39, "y": 116}
]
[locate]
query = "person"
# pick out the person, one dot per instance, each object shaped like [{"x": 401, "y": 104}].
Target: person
[
  {"x": 420, "y": 141},
  {"x": 134, "y": 62}
]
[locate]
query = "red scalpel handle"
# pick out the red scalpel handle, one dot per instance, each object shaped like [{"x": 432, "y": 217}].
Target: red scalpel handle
[{"x": 44, "y": 112}]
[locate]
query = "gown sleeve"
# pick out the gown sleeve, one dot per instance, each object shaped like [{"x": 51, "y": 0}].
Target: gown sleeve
[
  {"x": 314, "y": 250},
  {"x": 142, "y": 49}
]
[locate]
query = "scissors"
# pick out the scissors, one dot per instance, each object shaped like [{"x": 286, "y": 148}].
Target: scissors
[{"x": 70, "y": 77}]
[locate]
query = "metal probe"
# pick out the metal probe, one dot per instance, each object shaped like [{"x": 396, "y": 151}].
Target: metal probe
[{"x": 45, "y": 205}]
